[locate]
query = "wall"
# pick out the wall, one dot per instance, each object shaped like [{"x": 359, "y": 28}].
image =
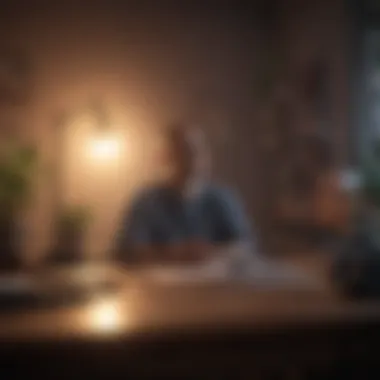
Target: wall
[
  {"x": 190, "y": 63},
  {"x": 319, "y": 31}
]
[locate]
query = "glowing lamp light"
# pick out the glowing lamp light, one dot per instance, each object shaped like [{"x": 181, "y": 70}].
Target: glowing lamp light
[{"x": 104, "y": 148}]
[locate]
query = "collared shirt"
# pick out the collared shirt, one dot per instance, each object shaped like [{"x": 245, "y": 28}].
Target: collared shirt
[{"x": 160, "y": 216}]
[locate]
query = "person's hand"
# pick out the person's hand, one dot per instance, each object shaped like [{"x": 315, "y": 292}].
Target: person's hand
[
  {"x": 189, "y": 252},
  {"x": 198, "y": 251}
]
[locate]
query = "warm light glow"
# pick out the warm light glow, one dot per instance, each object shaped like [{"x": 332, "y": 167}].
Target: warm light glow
[
  {"x": 105, "y": 148},
  {"x": 104, "y": 316}
]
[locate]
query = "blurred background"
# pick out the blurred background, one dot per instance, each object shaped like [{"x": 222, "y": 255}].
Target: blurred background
[{"x": 92, "y": 84}]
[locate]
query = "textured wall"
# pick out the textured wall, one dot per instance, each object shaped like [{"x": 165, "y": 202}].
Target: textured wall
[{"x": 319, "y": 31}]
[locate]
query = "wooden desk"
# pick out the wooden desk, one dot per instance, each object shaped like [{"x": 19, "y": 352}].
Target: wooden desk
[
  {"x": 143, "y": 306},
  {"x": 204, "y": 330}
]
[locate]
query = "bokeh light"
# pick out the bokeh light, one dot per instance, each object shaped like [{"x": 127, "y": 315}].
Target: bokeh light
[{"x": 104, "y": 316}]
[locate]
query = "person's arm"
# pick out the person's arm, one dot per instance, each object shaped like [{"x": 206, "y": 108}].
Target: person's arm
[
  {"x": 135, "y": 234},
  {"x": 137, "y": 241},
  {"x": 233, "y": 239},
  {"x": 235, "y": 236}
]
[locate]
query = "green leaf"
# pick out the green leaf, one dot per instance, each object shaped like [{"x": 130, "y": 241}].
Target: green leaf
[
  {"x": 76, "y": 217},
  {"x": 18, "y": 165}
]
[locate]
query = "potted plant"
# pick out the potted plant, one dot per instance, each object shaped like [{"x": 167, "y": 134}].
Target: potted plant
[
  {"x": 71, "y": 231},
  {"x": 371, "y": 194},
  {"x": 17, "y": 174}
]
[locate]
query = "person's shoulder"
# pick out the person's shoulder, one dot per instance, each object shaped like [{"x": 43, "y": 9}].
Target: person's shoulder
[
  {"x": 221, "y": 193},
  {"x": 147, "y": 195}
]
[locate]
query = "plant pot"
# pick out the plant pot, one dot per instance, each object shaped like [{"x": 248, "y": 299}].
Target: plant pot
[
  {"x": 373, "y": 225},
  {"x": 9, "y": 244},
  {"x": 356, "y": 268},
  {"x": 69, "y": 245}
]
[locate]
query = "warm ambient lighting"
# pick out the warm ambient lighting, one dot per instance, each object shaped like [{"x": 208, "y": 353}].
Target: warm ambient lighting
[
  {"x": 104, "y": 316},
  {"x": 104, "y": 148}
]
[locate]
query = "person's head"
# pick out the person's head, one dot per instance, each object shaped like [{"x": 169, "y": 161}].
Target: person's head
[{"x": 188, "y": 153}]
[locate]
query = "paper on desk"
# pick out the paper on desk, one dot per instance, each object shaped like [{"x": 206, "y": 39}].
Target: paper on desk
[
  {"x": 189, "y": 273},
  {"x": 257, "y": 272},
  {"x": 275, "y": 274}
]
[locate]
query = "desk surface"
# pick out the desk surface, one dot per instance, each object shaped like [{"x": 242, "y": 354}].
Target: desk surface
[{"x": 142, "y": 305}]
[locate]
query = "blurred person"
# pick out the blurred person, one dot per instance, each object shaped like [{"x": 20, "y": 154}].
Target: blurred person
[{"x": 187, "y": 218}]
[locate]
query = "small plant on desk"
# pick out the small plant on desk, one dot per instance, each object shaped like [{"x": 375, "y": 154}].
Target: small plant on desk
[{"x": 72, "y": 227}]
